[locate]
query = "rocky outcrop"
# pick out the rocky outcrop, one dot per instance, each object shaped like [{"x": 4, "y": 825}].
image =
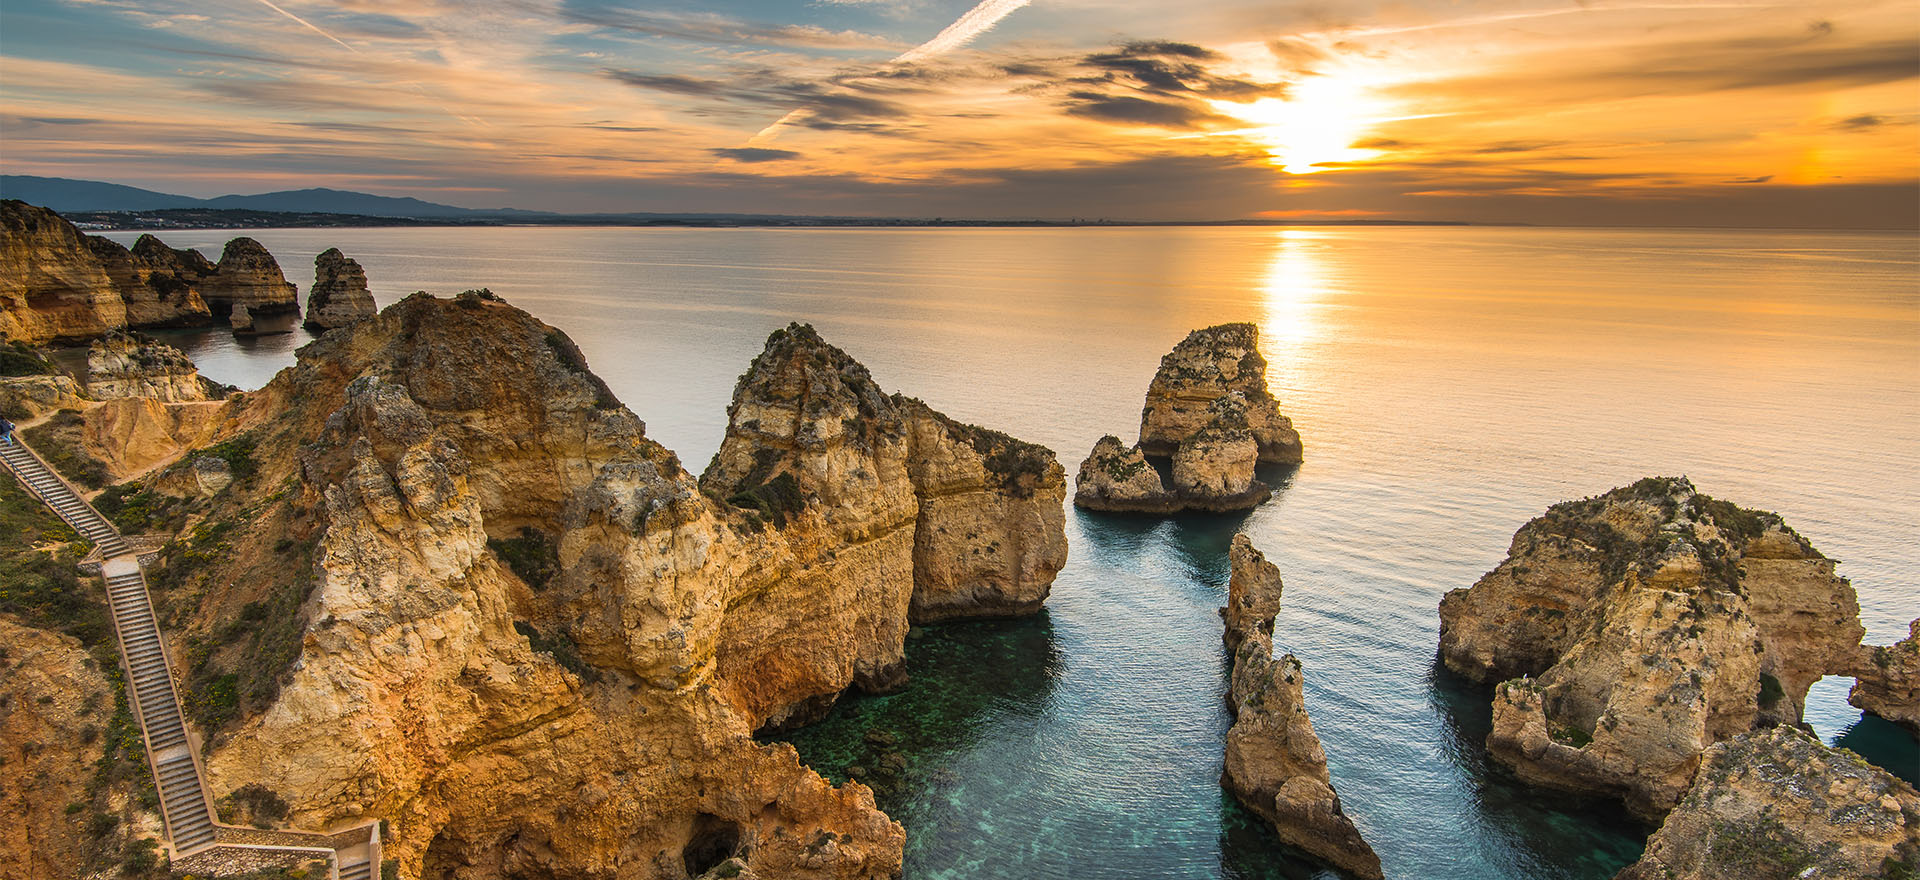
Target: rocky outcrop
[
  {"x": 961, "y": 521},
  {"x": 1887, "y": 681},
  {"x": 339, "y": 296},
  {"x": 1635, "y": 629},
  {"x": 55, "y": 700},
  {"x": 52, "y": 289},
  {"x": 505, "y": 621},
  {"x": 1209, "y": 410},
  {"x": 29, "y": 397},
  {"x": 58, "y": 285},
  {"x": 1213, "y": 363},
  {"x": 1778, "y": 803},
  {"x": 122, "y": 364},
  {"x": 247, "y": 276},
  {"x": 1274, "y": 762}
]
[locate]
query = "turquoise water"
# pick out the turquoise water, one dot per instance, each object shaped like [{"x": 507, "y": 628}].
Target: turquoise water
[{"x": 1449, "y": 384}]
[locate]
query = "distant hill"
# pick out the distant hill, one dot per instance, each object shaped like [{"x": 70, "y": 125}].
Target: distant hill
[
  {"x": 65, "y": 194},
  {"x": 62, "y": 194}
]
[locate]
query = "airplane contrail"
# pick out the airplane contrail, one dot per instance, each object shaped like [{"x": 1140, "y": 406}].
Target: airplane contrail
[
  {"x": 310, "y": 26},
  {"x": 964, "y": 29}
]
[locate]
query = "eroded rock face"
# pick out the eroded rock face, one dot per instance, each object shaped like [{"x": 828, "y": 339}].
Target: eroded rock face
[
  {"x": 1209, "y": 410},
  {"x": 1778, "y": 803},
  {"x": 339, "y": 296},
  {"x": 247, "y": 275},
  {"x": 592, "y": 717},
  {"x": 49, "y": 738},
  {"x": 1274, "y": 762},
  {"x": 58, "y": 285},
  {"x": 1887, "y": 681},
  {"x": 28, "y": 397},
  {"x": 1210, "y": 364},
  {"x": 122, "y": 364},
  {"x": 960, "y": 520},
  {"x": 1641, "y": 627},
  {"x": 52, "y": 289}
]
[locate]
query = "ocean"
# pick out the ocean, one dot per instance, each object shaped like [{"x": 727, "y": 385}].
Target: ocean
[{"x": 1448, "y": 384}]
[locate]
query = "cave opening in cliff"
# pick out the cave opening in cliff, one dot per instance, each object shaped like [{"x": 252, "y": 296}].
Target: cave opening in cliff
[{"x": 712, "y": 841}]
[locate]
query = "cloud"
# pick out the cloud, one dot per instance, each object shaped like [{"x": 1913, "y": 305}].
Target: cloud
[
  {"x": 721, "y": 29},
  {"x": 1761, "y": 179},
  {"x": 1862, "y": 122},
  {"x": 1128, "y": 110},
  {"x": 754, "y": 154},
  {"x": 672, "y": 83},
  {"x": 967, "y": 28}
]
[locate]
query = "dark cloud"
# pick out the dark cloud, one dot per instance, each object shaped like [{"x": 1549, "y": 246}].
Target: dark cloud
[
  {"x": 667, "y": 82},
  {"x": 1861, "y": 122},
  {"x": 1168, "y": 68},
  {"x": 1517, "y": 147},
  {"x": 1129, "y": 110},
  {"x": 1379, "y": 143},
  {"x": 1761, "y": 179},
  {"x": 754, "y": 154},
  {"x": 61, "y": 120}
]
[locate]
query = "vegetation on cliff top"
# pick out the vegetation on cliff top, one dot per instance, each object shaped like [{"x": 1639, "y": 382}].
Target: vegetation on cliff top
[{"x": 59, "y": 441}]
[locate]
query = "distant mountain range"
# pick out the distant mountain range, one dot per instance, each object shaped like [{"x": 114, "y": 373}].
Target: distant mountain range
[{"x": 65, "y": 195}]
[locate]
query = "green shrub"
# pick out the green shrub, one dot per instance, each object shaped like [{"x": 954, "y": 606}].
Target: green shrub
[
  {"x": 58, "y": 440},
  {"x": 1770, "y": 690},
  {"x": 533, "y": 556},
  {"x": 20, "y": 359}
]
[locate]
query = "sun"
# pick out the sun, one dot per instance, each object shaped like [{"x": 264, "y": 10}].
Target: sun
[{"x": 1316, "y": 126}]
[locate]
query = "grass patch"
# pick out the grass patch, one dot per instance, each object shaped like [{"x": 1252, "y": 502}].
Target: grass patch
[
  {"x": 59, "y": 441},
  {"x": 1762, "y": 849},
  {"x": 255, "y": 804},
  {"x": 21, "y": 359},
  {"x": 44, "y": 589},
  {"x": 237, "y": 453},
  {"x": 137, "y": 510},
  {"x": 533, "y": 556}
]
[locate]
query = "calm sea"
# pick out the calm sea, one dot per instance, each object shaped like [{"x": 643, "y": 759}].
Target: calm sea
[{"x": 1449, "y": 384}]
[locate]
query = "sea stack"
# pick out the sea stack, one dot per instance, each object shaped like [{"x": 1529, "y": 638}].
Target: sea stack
[
  {"x": 1778, "y": 803},
  {"x": 339, "y": 296},
  {"x": 1631, "y": 631},
  {"x": 1208, "y": 411},
  {"x": 1886, "y": 681},
  {"x": 1274, "y": 762},
  {"x": 247, "y": 285}
]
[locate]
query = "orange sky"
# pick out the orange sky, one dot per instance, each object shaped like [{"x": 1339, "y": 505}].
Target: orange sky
[{"x": 1656, "y": 113}]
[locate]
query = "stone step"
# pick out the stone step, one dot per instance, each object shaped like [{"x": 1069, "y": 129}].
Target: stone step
[{"x": 357, "y": 871}]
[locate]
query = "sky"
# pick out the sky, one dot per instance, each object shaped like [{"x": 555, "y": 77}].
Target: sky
[{"x": 1589, "y": 112}]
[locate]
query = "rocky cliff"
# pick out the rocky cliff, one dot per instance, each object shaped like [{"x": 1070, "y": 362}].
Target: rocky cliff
[
  {"x": 247, "y": 285},
  {"x": 1212, "y": 363},
  {"x": 52, "y": 289},
  {"x": 436, "y": 574},
  {"x": 57, "y": 285},
  {"x": 122, "y": 364},
  {"x": 1887, "y": 681},
  {"x": 1635, "y": 629},
  {"x": 1274, "y": 762},
  {"x": 1209, "y": 411},
  {"x": 1778, "y": 804},
  {"x": 339, "y": 295}
]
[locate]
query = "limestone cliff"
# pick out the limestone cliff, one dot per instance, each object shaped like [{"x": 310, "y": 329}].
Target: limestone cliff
[
  {"x": 339, "y": 295},
  {"x": 960, "y": 521},
  {"x": 1887, "y": 681},
  {"x": 52, "y": 289},
  {"x": 49, "y": 739},
  {"x": 1274, "y": 762},
  {"x": 1210, "y": 364},
  {"x": 1208, "y": 409},
  {"x": 480, "y": 604},
  {"x": 248, "y": 276},
  {"x": 58, "y": 285},
  {"x": 1777, "y": 803},
  {"x": 1640, "y": 627},
  {"x": 121, "y": 364}
]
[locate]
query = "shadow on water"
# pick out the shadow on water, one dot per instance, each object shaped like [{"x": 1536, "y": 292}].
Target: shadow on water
[
  {"x": 963, "y": 677},
  {"x": 1545, "y": 833},
  {"x": 1885, "y": 744}
]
